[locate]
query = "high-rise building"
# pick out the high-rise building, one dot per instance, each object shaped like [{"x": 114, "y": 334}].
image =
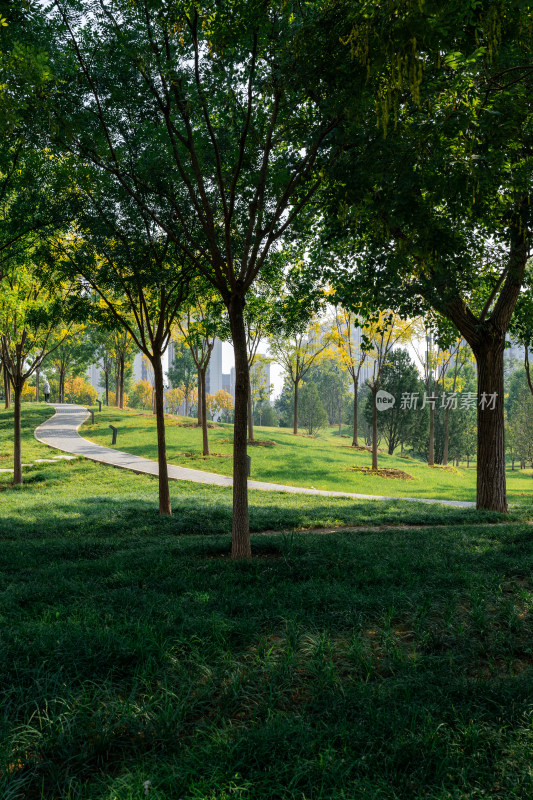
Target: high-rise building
[{"x": 213, "y": 378}]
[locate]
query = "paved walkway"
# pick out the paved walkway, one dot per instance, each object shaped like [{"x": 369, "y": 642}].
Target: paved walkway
[{"x": 61, "y": 432}]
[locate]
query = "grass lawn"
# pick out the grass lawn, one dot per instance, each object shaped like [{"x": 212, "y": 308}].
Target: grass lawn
[
  {"x": 392, "y": 660},
  {"x": 322, "y": 463}
]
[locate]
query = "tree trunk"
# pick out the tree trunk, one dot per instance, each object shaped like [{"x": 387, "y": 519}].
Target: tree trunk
[
  {"x": 431, "y": 454},
  {"x": 250, "y": 415},
  {"x": 106, "y": 373},
  {"x": 122, "y": 382},
  {"x": 205, "y": 440},
  {"x": 240, "y": 533},
  {"x": 374, "y": 429},
  {"x": 340, "y": 415},
  {"x": 37, "y": 386},
  {"x": 355, "y": 420},
  {"x": 512, "y": 463},
  {"x": 295, "y": 425},
  {"x": 17, "y": 449},
  {"x": 446, "y": 436},
  {"x": 200, "y": 404},
  {"x": 491, "y": 485},
  {"x": 164, "y": 492},
  {"x": 7, "y": 388}
]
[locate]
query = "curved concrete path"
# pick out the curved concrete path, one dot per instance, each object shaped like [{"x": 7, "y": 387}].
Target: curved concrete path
[{"x": 61, "y": 432}]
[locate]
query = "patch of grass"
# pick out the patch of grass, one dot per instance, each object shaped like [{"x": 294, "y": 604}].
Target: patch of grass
[
  {"x": 323, "y": 462},
  {"x": 33, "y": 415},
  {"x": 378, "y": 662}
]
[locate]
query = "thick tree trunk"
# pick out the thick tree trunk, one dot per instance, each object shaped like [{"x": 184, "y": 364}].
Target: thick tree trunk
[
  {"x": 164, "y": 492},
  {"x": 295, "y": 424},
  {"x": 355, "y": 420},
  {"x": 240, "y": 534},
  {"x": 374, "y": 429},
  {"x": 205, "y": 440},
  {"x": 17, "y": 448},
  {"x": 491, "y": 484},
  {"x": 250, "y": 415},
  {"x": 431, "y": 454}
]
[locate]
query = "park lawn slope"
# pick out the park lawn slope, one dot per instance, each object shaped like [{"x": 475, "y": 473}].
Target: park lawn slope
[
  {"x": 392, "y": 660},
  {"x": 324, "y": 462}
]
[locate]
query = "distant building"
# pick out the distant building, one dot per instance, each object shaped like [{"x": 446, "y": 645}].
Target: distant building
[{"x": 213, "y": 378}]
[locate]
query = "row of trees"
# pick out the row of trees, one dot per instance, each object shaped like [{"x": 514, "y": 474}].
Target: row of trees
[{"x": 381, "y": 148}]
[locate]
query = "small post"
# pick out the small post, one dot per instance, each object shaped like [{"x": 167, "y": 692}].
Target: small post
[
  {"x": 92, "y": 416},
  {"x": 249, "y": 462},
  {"x": 99, "y": 405},
  {"x": 115, "y": 430}
]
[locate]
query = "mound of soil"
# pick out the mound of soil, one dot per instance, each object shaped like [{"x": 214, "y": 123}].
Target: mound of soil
[
  {"x": 446, "y": 469},
  {"x": 383, "y": 473},
  {"x": 262, "y": 443}
]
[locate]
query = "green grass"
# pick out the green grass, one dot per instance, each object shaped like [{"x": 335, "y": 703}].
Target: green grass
[
  {"x": 391, "y": 661},
  {"x": 322, "y": 463},
  {"x": 33, "y": 415}
]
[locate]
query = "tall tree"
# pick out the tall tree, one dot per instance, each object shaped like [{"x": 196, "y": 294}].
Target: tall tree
[
  {"x": 297, "y": 352},
  {"x": 443, "y": 214},
  {"x": 31, "y": 311},
  {"x": 197, "y": 112}
]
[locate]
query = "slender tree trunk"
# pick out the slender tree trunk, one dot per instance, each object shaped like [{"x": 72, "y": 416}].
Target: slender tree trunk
[
  {"x": 355, "y": 420},
  {"x": 512, "y": 463},
  {"x": 431, "y": 455},
  {"x": 200, "y": 403},
  {"x": 340, "y": 414},
  {"x": 37, "y": 386},
  {"x": 205, "y": 440},
  {"x": 122, "y": 382},
  {"x": 17, "y": 449},
  {"x": 250, "y": 415},
  {"x": 374, "y": 429},
  {"x": 106, "y": 373},
  {"x": 240, "y": 534},
  {"x": 7, "y": 388},
  {"x": 491, "y": 484},
  {"x": 295, "y": 425},
  {"x": 164, "y": 492},
  {"x": 446, "y": 436}
]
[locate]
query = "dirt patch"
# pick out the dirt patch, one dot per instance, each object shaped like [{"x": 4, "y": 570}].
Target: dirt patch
[
  {"x": 262, "y": 443},
  {"x": 360, "y": 448},
  {"x": 453, "y": 470},
  {"x": 263, "y": 553},
  {"x": 199, "y": 455},
  {"x": 383, "y": 473}
]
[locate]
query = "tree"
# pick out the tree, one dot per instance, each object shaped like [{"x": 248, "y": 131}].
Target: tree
[
  {"x": 31, "y": 311},
  {"x": 198, "y": 328},
  {"x": 443, "y": 214},
  {"x": 383, "y": 333},
  {"x": 260, "y": 387},
  {"x": 182, "y": 374},
  {"x": 331, "y": 381},
  {"x": 141, "y": 395},
  {"x": 174, "y": 399},
  {"x": 120, "y": 257},
  {"x": 196, "y": 112},
  {"x": 297, "y": 352},
  {"x": 400, "y": 379},
  {"x": 350, "y": 341},
  {"x": 312, "y": 412}
]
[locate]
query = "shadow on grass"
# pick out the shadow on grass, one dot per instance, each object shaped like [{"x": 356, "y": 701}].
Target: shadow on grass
[{"x": 395, "y": 664}]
